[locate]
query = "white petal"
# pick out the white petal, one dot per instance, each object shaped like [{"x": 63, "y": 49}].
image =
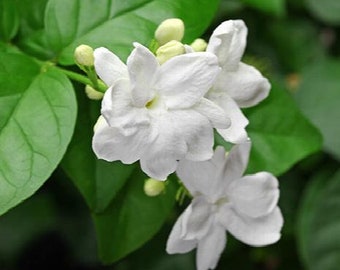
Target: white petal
[
  {"x": 236, "y": 133},
  {"x": 142, "y": 66},
  {"x": 253, "y": 231},
  {"x": 236, "y": 162},
  {"x": 245, "y": 85},
  {"x": 214, "y": 113},
  {"x": 197, "y": 177},
  {"x": 188, "y": 49},
  {"x": 184, "y": 79},
  {"x": 118, "y": 110},
  {"x": 199, "y": 221},
  {"x": 255, "y": 195},
  {"x": 210, "y": 248},
  {"x": 198, "y": 134},
  {"x": 228, "y": 43},
  {"x": 204, "y": 177},
  {"x": 176, "y": 243},
  {"x": 181, "y": 134},
  {"x": 162, "y": 157},
  {"x": 108, "y": 66},
  {"x": 109, "y": 144}
]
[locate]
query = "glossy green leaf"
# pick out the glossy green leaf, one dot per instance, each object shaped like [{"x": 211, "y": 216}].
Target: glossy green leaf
[
  {"x": 9, "y": 20},
  {"x": 319, "y": 223},
  {"x": 99, "y": 181},
  {"x": 281, "y": 135},
  {"x": 275, "y": 7},
  {"x": 116, "y": 24},
  {"x": 31, "y": 15},
  {"x": 32, "y": 37},
  {"x": 37, "y": 116},
  {"x": 326, "y": 10},
  {"x": 132, "y": 218},
  {"x": 318, "y": 97}
]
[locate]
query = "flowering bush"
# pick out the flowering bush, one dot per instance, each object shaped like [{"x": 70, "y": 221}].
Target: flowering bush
[{"x": 163, "y": 117}]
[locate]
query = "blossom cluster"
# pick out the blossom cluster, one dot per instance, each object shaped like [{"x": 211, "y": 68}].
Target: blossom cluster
[{"x": 162, "y": 107}]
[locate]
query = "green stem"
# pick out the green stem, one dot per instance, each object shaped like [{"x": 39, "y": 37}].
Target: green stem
[{"x": 82, "y": 79}]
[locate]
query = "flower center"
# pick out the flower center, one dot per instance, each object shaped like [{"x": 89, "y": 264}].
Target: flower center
[{"x": 152, "y": 103}]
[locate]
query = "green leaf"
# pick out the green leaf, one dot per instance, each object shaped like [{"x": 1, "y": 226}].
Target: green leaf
[
  {"x": 275, "y": 7},
  {"x": 98, "y": 181},
  {"x": 132, "y": 218},
  {"x": 281, "y": 135},
  {"x": 31, "y": 15},
  {"x": 9, "y": 20},
  {"x": 303, "y": 45},
  {"x": 318, "y": 97},
  {"x": 326, "y": 10},
  {"x": 37, "y": 116},
  {"x": 125, "y": 217},
  {"x": 116, "y": 24},
  {"x": 32, "y": 36},
  {"x": 319, "y": 223}
]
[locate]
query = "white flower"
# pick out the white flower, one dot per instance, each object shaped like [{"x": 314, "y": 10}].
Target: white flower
[
  {"x": 157, "y": 113},
  {"x": 238, "y": 85},
  {"x": 223, "y": 199}
]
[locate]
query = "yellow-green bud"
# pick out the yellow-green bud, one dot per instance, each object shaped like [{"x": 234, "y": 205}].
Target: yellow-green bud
[
  {"x": 169, "y": 50},
  {"x": 199, "y": 45},
  {"x": 93, "y": 93},
  {"x": 83, "y": 55},
  {"x": 153, "y": 187},
  {"x": 170, "y": 29}
]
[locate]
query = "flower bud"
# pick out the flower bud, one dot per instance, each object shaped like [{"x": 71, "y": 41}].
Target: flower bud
[
  {"x": 170, "y": 29},
  {"x": 169, "y": 50},
  {"x": 83, "y": 55},
  {"x": 93, "y": 93},
  {"x": 153, "y": 187},
  {"x": 199, "y": 45}
]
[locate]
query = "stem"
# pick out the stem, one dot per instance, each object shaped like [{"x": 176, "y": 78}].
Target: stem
[{"x": 82, "y": 79}]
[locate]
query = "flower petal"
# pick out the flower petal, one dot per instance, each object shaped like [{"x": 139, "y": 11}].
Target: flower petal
[
  {"x": 181, "y": 134},
  {"x": 253, "y": 231},
  {"x": 228, "y": 43},
  {"x": 197, "y": 177},
  {"x": 109, "y": 144},
  {"x": 214, "y": 113},
  {"x": 108, "y": 66},
  {"x": 203, "y": 177},
  {"x": 162, "y": 157},
  {"x": 255, "y": 195},
  {"x": 176, "y": 243},
  {"x": 183, "y": 80},
  {"x": 119, "y": 111},
  {"x": 210, "y": 248},
  {"x": 199, "y": 221},
  {"x": 236, "y": 133},
  {"x": 246, "y": 85},
  {"x": 236, "y": 162},
  {"x": 142, "y": 66}
]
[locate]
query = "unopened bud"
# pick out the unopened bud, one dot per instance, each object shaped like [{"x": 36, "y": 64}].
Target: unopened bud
[
  {"x": 83, "y": 55},
  {"x": 93, "y": 93},
  {"x": 169, "y": 50},
  {"x": 153, "y": 187},
  {"x": 199, "y": 45},
  {"x": 170, "y": 29}
]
